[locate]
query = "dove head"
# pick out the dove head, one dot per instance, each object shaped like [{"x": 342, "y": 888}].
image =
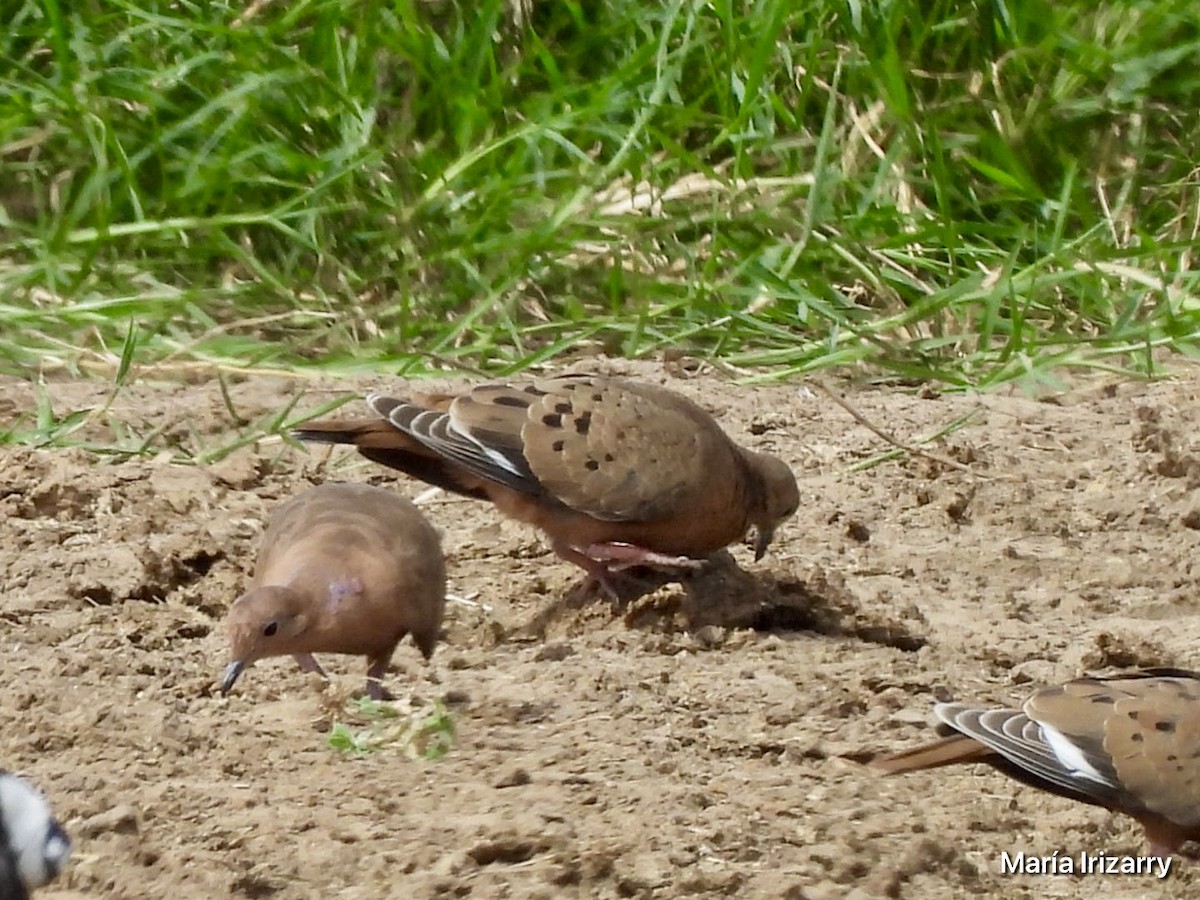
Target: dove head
[
  {"x": 778, "y": 501},
  {"x": 267, "y": 621},
  {"x": 35, "y": 841}
]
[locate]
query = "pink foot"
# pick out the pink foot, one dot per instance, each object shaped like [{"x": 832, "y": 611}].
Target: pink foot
[
  {"x": 626, "y": 556},
  {"x": 604, "y": 561},
  {"x": 597, "y": 571}
]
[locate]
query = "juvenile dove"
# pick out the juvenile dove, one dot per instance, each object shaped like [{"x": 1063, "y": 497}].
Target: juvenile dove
[
  {"x": 343, "y": 568},
  {"x": 614, "y": 472},
  {"x": 33, "y": 846},
  {"x": 1129, "y": 743}
]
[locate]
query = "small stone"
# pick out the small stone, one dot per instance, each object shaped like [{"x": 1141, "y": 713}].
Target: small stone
[
  {"x": 121, "y": 819},
  {"x": 709, "y": 636},
  {"x": 515, "y": 778},
  {"x": 556, "y": 652},
  {"x": 857, "y": 531}
]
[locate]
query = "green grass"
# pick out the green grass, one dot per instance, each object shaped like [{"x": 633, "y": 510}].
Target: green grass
[
  {"x": 427, "y": 733},
  {"x": 974, "y": 193}
]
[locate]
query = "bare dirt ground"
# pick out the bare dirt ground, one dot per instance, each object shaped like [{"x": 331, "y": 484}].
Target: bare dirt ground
[{"x": 703, "y": 742}]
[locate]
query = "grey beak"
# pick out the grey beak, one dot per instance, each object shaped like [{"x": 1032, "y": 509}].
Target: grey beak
[
  {"x": 232, "y": 671},
  {"x": 762, "y": 540}
]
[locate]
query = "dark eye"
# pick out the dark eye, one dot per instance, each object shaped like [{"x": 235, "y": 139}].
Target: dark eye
[{"x": 270, "y": 629}]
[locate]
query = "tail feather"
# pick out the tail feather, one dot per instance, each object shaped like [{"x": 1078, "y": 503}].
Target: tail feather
[
  {"x": 957, "y": 748},
  {"x": 380, "y": 442},
  {"x": 359, "y": 432}
]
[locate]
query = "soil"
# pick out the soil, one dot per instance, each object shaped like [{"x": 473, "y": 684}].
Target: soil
[{"x": 704, "y": 740}]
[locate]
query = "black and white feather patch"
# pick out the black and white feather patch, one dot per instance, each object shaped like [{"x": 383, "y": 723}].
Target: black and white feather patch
[
  {"x": 1039, "y": 749},
  {"x": 33, "y": 846},
  {"x": 437, "y": 431}
]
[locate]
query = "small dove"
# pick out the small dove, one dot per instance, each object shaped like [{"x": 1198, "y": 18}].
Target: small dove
[
  {"x": 615, "y": 473},
  {"x": 343, "y": 568},
  {"x": 33, "y": 846},
  {"x": 1129, "y": 743}
]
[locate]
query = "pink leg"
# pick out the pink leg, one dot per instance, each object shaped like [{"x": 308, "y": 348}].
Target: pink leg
[
  {"x": 308, "y": 664},
  {"x": 628, "y": 555},
  {"x": 604, "y": 561},
  {"x": 597, "y": 571},
  {"x": 375, "y": 673}
]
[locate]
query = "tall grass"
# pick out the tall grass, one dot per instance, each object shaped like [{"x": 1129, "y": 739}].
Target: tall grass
[{"x": 970, "y": 192}]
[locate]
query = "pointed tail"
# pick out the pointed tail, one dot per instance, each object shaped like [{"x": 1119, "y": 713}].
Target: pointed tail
[{"x": 957, "y": 748}]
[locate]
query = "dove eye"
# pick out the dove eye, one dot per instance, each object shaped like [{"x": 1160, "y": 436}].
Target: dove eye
[{"x": 270, "y": 629}]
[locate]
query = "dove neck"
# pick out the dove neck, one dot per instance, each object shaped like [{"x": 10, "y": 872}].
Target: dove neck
[{"x": 751, "y": 492}]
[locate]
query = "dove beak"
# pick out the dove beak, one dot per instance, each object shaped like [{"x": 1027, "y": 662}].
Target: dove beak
[
  {"x": 232, "y": 671},
  {"x": 762, "y": 540}
]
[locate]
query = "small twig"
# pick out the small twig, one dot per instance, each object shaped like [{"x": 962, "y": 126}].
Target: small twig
[
  {"x": 892, "y": 439},
  {"x": 426, "y": 495},
  {"x": 469, "y": 601}
]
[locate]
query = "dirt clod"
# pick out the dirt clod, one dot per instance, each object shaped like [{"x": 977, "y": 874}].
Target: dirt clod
[{"x": 704, "y": 739}]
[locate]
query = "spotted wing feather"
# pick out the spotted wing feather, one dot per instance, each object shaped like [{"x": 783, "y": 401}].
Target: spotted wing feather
[
  {"x": 619, "y": 451},
  {"x": 1150, "y": 734}
]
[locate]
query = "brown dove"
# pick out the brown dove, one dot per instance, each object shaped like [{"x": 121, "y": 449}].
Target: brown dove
[
  {"x": 1129, "y": 743},
  {"x": 616, "y": 473},
  {"x": 343, "y": 568}
]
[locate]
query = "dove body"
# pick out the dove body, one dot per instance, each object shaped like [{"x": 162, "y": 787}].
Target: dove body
[
  {"x": 343, "y": 568},
  {"x": 616, "y": 473},
  {"x": 1129, "y": 743}
]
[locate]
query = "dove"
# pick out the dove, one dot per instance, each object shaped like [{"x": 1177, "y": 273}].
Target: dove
[
  {"x": 615, "y": 473},
  {"x": 343, "y": 568},
  {"x": 1129, "y": 743},
  {"x": 33, "y": 846}
]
